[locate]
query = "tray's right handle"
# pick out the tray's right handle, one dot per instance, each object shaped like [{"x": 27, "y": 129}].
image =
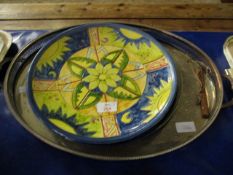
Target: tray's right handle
[{"x": 228, "y": 52}]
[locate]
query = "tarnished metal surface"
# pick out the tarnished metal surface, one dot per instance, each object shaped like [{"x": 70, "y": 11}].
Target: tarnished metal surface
[{"x": 187, "y": 106}]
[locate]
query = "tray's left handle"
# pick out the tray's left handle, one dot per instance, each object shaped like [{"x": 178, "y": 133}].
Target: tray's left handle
[
  {"x": 5, "y": 43},
  {"x": 7, "y": 52}
]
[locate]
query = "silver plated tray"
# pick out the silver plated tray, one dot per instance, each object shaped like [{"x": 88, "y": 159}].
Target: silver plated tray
[{"x": 197, "y": 103}]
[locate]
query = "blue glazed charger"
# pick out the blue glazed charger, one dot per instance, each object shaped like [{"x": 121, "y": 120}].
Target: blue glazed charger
[{"x": 101, "y": 83}]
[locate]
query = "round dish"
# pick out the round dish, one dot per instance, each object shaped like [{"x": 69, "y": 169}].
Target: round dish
[{"x": 101, "y": 83}]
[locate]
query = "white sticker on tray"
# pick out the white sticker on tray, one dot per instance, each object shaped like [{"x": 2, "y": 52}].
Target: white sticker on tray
[
  {"x": 184, "y": 127},
  {"x": 1, "y": 44},
  {"x": 22, "y": 89},
  {"x": 106, "y": 107}
]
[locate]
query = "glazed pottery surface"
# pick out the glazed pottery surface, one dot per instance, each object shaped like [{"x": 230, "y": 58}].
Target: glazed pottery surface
[{"x": 101, "y": 83}]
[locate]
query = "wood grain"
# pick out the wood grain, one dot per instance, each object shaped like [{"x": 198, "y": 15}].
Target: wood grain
[
  {"x": 112, "y": 1},
  {"x": 165, "y": 24},
  {"x": 114, "y": 10}
]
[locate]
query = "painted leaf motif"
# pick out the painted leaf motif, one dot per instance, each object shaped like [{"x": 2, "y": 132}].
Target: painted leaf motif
[
  {"x": 54, "y": 53},
  {"x": 118, "y": 58},
  {"x": 157, "y": 100},
  {"x": 78, "y": 65},
  {"x": 84, "y": 98},
  {"x": 128, "y": 89}
]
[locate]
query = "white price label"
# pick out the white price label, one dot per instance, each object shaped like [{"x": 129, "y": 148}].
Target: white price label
[
  {"x": 106, "y": 107},
  {"x": 22, "y": 89},
  {"x": 184, "y": 127},
  {"x": 1, "y": 44}
]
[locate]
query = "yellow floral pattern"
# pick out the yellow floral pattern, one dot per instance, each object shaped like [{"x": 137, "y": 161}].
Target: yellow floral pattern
[{"x": 102, "y": 77}]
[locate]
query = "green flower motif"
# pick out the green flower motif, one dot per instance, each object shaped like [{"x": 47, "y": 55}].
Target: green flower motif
[
  {"x": 97, "y": 78},
  {"x": 102, "y": 77}
]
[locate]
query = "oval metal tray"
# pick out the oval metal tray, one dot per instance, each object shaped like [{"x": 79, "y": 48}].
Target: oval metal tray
[{"x": 199, "y": 99}]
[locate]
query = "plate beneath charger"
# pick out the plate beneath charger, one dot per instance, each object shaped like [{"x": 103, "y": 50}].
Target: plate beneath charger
[{"x": 101, "y": 83}]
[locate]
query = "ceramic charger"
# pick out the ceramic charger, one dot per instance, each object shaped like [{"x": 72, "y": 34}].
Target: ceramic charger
[{"x": 101, "y": 83}]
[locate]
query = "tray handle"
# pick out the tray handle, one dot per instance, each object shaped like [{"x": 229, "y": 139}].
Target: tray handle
[{"x": 228, "y": 52}]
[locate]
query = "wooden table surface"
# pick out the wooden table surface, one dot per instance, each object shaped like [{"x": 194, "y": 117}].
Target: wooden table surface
[{"x": 179, "y": 15}]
